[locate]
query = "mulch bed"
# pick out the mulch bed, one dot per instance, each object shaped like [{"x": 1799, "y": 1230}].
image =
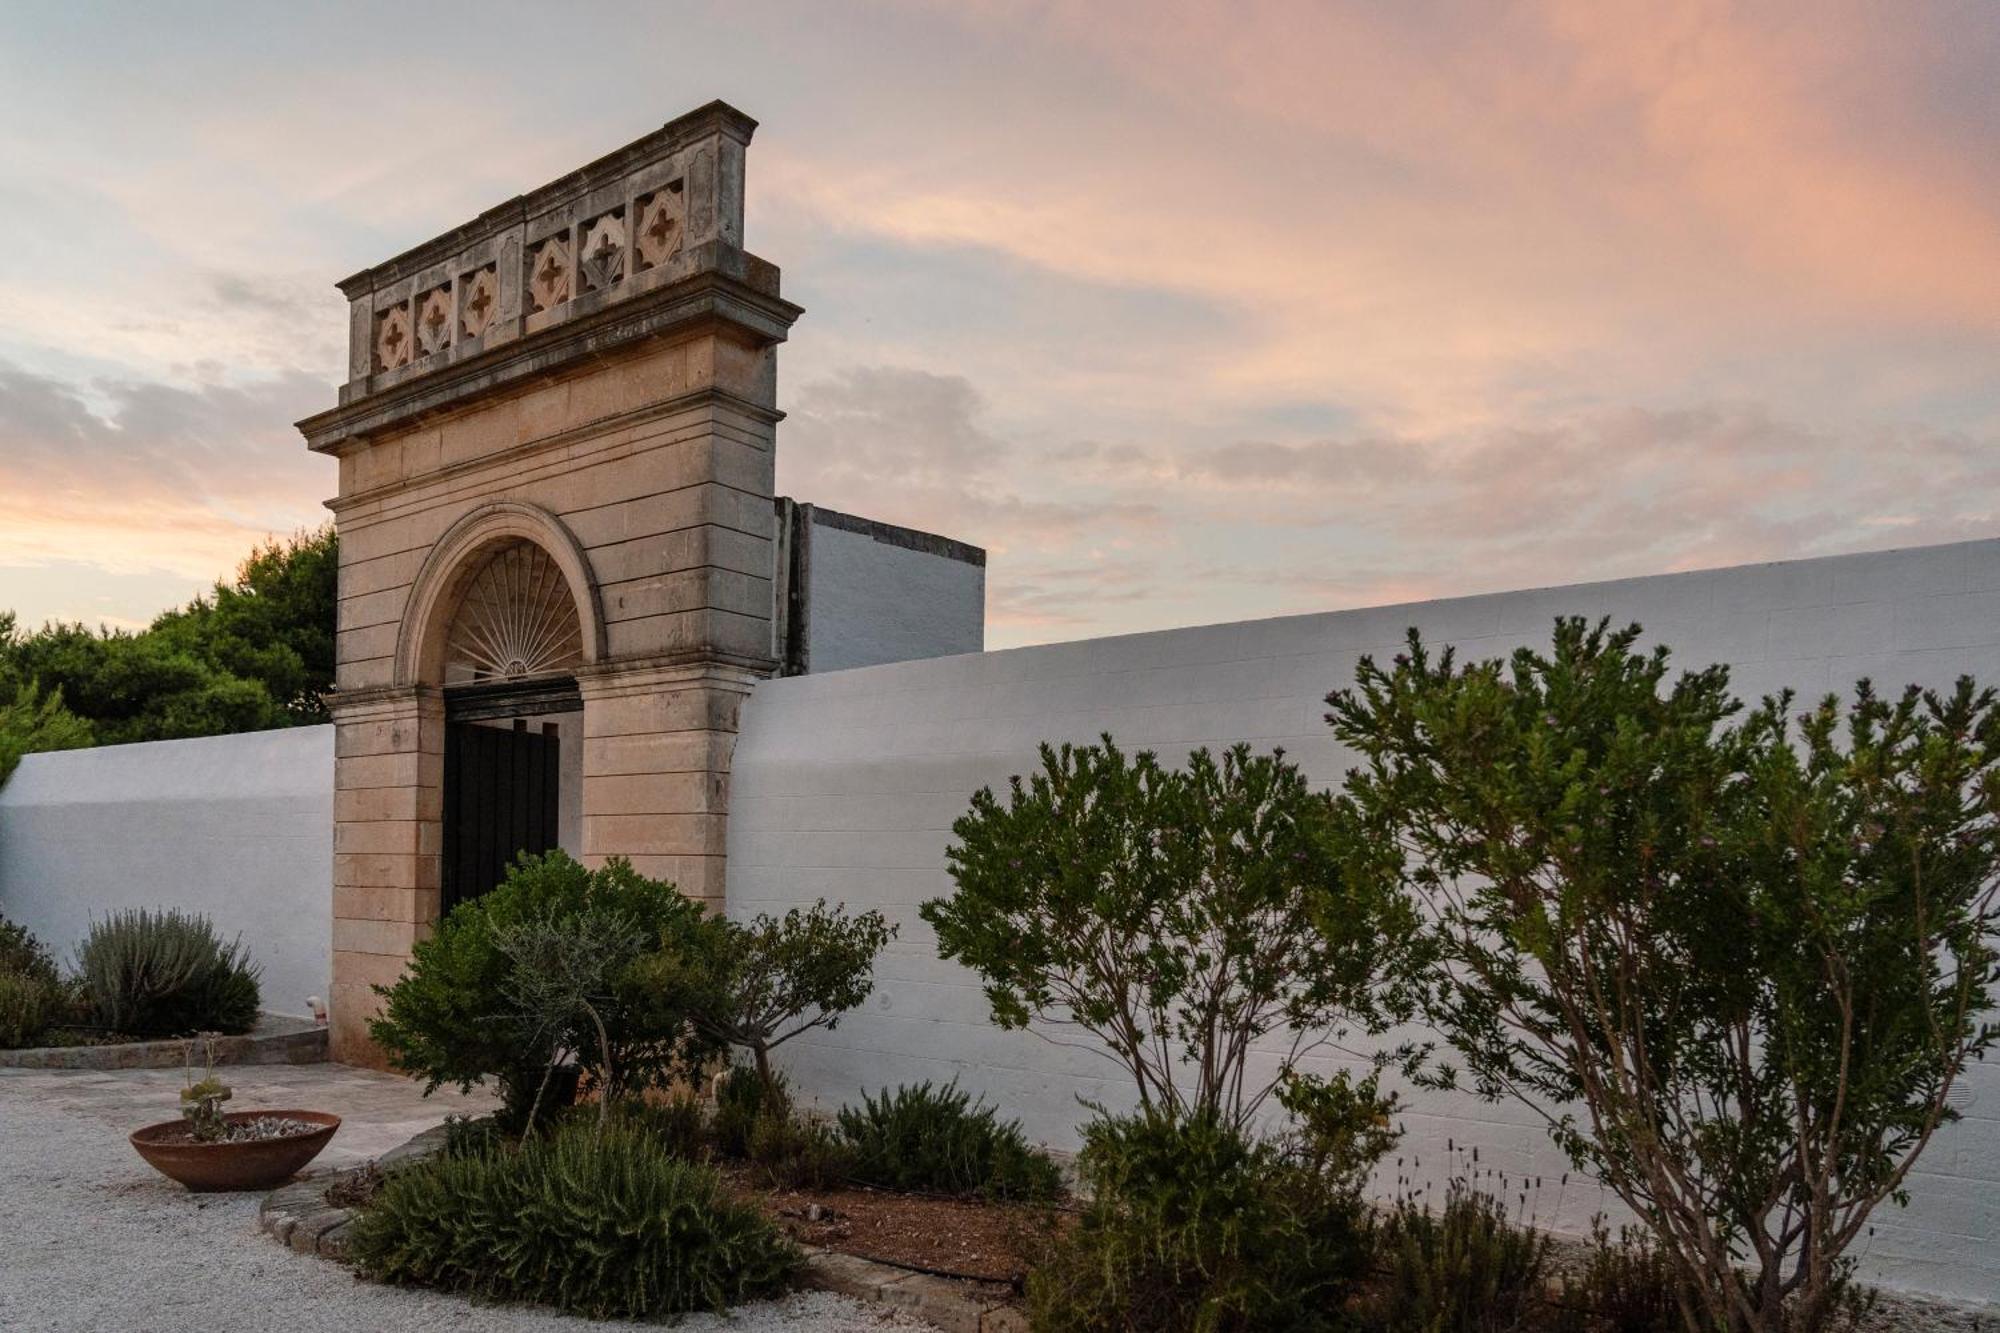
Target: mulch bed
[{"x": 992, "y": 1242}]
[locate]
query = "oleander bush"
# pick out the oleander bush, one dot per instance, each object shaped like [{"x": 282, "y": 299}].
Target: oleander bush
[
  {"x": 166, "y": 973},
  {"x": 939, "y": 1140},
  {"x": 1193, "y": 1225},
  {"x": 506, "y": 989},
  {"x": 602, "y": 1222}
]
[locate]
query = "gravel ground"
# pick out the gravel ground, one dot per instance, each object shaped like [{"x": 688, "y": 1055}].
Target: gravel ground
[{"x": 92, "y": 1240}]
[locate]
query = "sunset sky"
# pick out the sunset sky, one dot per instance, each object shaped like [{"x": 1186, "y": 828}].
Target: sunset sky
[{"x": 1186, "y": 313}]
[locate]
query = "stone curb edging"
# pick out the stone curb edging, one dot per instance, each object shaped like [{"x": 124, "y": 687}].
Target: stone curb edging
[
  {"x": 268, "y": 1044},
  {"x": 297, "y": 1215}
]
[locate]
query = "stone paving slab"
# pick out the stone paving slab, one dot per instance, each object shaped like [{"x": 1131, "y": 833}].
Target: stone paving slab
[{"x": 377, "y": 1111}]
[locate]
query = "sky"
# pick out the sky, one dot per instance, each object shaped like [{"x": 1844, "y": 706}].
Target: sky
[{"x": 1187, "y": 313}]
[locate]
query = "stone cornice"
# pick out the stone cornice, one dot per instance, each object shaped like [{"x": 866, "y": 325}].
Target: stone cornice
[
  {"x": 704, "y": 299},
  {"x": 717, "y": 118}
]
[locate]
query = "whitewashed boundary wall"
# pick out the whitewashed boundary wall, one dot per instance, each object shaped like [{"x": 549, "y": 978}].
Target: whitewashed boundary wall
[
  {"x": 237, "y": 827},
  {"x": 845, "y": 785}
]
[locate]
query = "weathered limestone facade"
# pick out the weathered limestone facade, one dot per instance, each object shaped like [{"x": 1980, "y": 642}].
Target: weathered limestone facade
[{"x": 585, "y": 373}]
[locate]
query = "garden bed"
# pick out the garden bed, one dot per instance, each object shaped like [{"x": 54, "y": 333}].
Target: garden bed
[
  {"x": 274, "y": 1041},
  {"x": 958, "y": 1238}
]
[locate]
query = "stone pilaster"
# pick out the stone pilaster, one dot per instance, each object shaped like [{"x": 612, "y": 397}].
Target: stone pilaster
[
  {"x": 656, "y": 750},
  {"x": 387, "y": 836}
]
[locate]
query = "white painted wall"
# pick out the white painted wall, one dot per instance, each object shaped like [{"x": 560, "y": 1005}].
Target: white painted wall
[
  {"x": 844, "y": 785},
  {"x": 237, "y": 827},
  {"x": 875, "y": 601}
]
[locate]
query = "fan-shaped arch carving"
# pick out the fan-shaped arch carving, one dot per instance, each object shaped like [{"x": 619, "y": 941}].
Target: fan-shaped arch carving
[
  {"x": 515, "y": 619},
  {"x": 474, "y": 560}
]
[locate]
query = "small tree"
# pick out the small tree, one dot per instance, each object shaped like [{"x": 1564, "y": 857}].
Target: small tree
[
  {"x": 1738, "y": 974},
  {"x": 565, "y": 974},
  {"x": 1168, "y": 914},
  {"x": 457, "y": 1015},
  {"x": 760, "y": 985}
]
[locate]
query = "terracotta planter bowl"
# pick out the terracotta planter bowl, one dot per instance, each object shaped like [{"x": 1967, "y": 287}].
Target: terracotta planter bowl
[{"x": 209, "y": 1167}]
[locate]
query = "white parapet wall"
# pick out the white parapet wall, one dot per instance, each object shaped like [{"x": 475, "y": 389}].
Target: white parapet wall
[
  {"x": 237, "y": 827},
  {"x": 845, "y": 786}
]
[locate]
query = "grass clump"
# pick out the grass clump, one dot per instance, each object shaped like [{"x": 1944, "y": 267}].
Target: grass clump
[
  {"x": 600, "y": 1222},
  {"x": 166, "y": 974},
  {"x": 940, "y": 1140}
]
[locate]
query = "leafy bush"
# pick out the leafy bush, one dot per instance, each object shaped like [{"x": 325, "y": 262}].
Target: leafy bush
[
  {"x": 679, "y": 1123},
  {"x": 793, "y": 1151},
  {"x": 31, "y": 720},
  {"x": 598, "y": 1222},
  {"x": 1170, "y": 914},
  {"x": 1626, "y": 1287},
  {"x": 166, "y": 973},
  {"x": 1468, "y": 1269},
  {"x": 937, "y": 1139},
  {"x": 30, "y": 1004},
  {"x": 466, "y": 1010},
  {"x": 758, "y": 986},
  {"x": 1194, "y": 1227},
  {"x": 740, "y": 1098},
  {"x": 22, "y": 954},
  {"x": 1758, "y": 949}
]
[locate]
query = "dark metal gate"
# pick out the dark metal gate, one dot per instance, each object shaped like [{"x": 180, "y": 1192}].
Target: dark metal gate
[{"x": 502, "y": 787}]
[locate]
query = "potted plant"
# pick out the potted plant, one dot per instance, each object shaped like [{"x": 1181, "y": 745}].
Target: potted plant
[{"x": 209, "y": 1149}]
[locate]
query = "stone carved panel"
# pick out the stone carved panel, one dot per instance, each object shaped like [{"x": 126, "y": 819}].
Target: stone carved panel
[
  {"x": 434, "y": 320},
  {"x": 393, "y": 344},
  {"x": 662, "y": 222},
  {"x": 549, "y": 273},
  {"x": 478, "y": 301},
  {"x": 603, "y": 260}
]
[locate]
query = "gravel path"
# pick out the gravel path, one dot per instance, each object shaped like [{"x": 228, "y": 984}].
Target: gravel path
[{"x": 92, "y": 1240}]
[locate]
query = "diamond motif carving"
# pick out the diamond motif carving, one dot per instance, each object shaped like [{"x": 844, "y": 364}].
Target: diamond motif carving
[
  {"x": 661, "y": 218},
  {"x": 549, "y": 274},
  {"x": 393, "y": 344},
  {"x": 434, "y": 320},
  {"x": 478, "y": 302},
  {"x": 604, "y": 252}
]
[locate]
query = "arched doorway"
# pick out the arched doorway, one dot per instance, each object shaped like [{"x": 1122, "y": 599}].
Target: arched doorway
[{"x": 513, "y": 755}]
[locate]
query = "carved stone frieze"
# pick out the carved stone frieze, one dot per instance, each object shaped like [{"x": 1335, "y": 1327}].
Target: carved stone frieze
[
  {"x": 434, "y": 320},
  {"x": 549, "y": 273},
  {"x": 478, "y": 301},
  {"x": 661, "y": 224},
  {"x": 393, "y": 344},
  {"x": 604, "y": 252}
]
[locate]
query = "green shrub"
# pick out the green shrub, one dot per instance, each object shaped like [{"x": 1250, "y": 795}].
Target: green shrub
[
  {"x": 466, "y": 1009},
  {"x": 678, "y": 1124},
  {"x": 24, "y": 955},
  {"x": 938, "y": 1139},
  {"x": 166, "y": 973},
  {"x": 1469, "y": 1269},
  {"x": 1621, "y": 1288},
  {"x": 794, "y": 1151},
  {"x": 30, "y": 1004},
  {"x": 740, "y": 1098},
  {"x": 469, "y": 1136},
  {"x": 598, "y": 1222},
  {"x": 1192, "y": 1226}
]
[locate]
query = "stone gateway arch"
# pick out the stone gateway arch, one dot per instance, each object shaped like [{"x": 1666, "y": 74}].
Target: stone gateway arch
[{"x": 562, "y": 563}]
